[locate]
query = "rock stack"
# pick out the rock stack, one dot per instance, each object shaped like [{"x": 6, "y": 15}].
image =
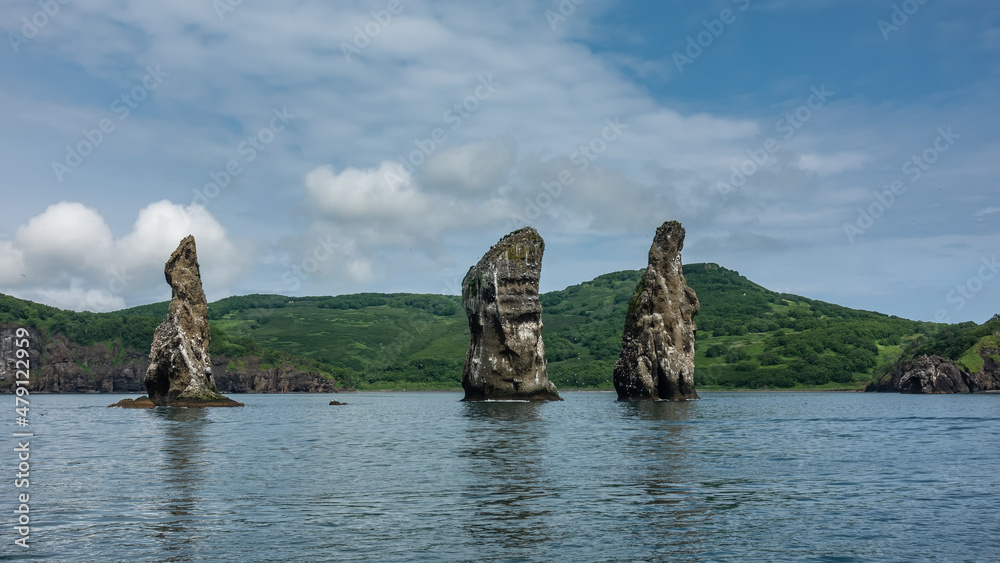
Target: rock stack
[
  {"x": 657, "y": 357},
  {"x": 506, "y": 358},
  {"x": 180, "y": 370}
]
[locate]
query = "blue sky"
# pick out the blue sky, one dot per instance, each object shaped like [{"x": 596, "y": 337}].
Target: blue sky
[{"x": 842, "y": 150}]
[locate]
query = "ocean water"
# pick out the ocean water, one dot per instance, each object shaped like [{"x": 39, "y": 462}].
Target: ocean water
[{"x": 423, "y": 477}]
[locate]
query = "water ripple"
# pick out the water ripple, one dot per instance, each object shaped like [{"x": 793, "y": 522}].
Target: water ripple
[{"x": 424, "y": 477}]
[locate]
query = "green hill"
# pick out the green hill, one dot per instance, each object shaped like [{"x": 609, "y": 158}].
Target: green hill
[{"x": 748, "y": 336}]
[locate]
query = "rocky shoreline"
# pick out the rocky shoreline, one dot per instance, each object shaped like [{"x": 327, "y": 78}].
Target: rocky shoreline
[
  {"x": 937, "y": 375},
  {"x": 61, "y": 366}
]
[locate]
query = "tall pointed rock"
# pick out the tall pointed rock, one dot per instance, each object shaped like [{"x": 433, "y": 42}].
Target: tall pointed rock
[
  {"x": 506, "y": 358},
  {"x": 657, "y": 356},
  {"x": 180, "y": 370}
]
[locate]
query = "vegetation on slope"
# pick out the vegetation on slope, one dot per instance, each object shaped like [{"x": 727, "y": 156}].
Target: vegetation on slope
[
  {"x": 133, "y": 329},
  {"x": 748, "y": 336},
  {"x": 961, "y": 342}
]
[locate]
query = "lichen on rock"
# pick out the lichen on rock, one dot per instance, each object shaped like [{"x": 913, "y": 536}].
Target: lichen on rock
[
  {"x": 506, "y": 358},
  {"x": 180, "y": 370},
  {"x": 657, "y": 356}
]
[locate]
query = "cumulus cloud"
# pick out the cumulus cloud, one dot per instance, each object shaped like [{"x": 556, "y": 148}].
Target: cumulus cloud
[
  {"x": 385, "y": 192},
  {"x": 382, "y": 223},
  {"x": 11, "y": 263},
  {"x": 68, "y": 257},
  {"x": 389, "y": 204},
  {"x": 67, "y": 233},
  {"x": 77, "y": 297}
]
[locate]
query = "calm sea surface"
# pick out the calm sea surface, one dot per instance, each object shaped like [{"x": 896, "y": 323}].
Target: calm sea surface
[{"x": 423, "y": 477}]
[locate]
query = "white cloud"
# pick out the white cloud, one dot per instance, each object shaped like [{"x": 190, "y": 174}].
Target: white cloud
[
  {"x": 78, "y": 298},
  {"x": 386, "y": 192},
  {"x": 69, "y": 233},
  {"x": 11, "y": 263},
  {"x": 161, "y": 225},
  {"x": 473, "y": 167},
  {"x": 979, "y": 215},
  {"x": 830, "y": 164},
  {"x": 68, "y": 257},
  {"x": 387, "y": 203}
]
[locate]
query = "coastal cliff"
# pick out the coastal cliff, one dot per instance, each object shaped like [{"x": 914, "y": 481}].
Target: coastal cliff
[
  {"x": 928, "y": 374},
  {"x": 61, "y": 366}
]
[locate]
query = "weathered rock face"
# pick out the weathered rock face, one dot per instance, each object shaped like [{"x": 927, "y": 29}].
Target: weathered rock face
[
  {"x": 657, "y": 356},
  {"x": 180, "y": 371},
  {"x": 989, "y": 378},
  {"x": 248, "y": 376},
  {"x": 934, "y": 374},
  {"x": 931, "y": 374},
  {"x": 61, "y": 366},
  {"x": 506, "y": 358}
]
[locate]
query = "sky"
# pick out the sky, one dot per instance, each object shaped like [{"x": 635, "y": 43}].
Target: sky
[{"x": 843, "y": 150}]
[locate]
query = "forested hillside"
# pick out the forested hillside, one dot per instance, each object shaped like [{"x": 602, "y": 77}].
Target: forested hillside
[{"x": 748, "y": 336}]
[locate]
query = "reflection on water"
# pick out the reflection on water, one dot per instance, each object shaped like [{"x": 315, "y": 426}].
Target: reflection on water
[
  {"x": 423, "y": 477},
  {"x": 183, "y": 470},
  {"x": 503, "y": 446},
  {"x": 658, "y": 410},
  {"x": 662, "y": 451}
]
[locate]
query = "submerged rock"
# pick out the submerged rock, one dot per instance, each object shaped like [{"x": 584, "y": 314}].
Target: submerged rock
[
  {"x": 180, "y": 370},
  {"x": 140, "y": 403},
  {"x": 657, "y": 356},
  {"x": 937, "y": 375},
  {"x": 506, "y": 358}
]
